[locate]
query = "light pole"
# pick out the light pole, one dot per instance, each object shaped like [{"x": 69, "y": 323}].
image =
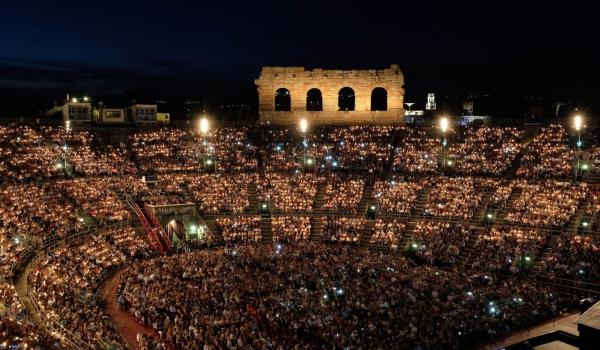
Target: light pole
[
  {"x": 204, "y": 130},
  {"x": 444, "y": 124},
  {"x": 303, "y": 127},
  {"x": 577, "y": 123}
]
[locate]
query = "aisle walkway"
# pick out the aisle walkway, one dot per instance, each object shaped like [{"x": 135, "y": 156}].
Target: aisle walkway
[{"x": 128, "y": 326}]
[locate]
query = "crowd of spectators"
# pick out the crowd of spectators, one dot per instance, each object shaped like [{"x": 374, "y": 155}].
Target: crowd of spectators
[
  {"x": 574, "y": 257},
  {"x": 418, "y": 153},
  {"x": 343, "y": 229},
  {"x": 549, "y": 203},
  {"x": 310, "y": 296},
  {"x": 35, "y": 211},
  {"x": 397, "y": 197},
  {"x": 456, "y": 197},
  {"x": 163, "y": 150},
  {"x": 35, "y": 205},
  {"x": 548, "y": 155},
  {"x": 230, "y": 148},
  {"x": 511, "y": 249},
  {"x": 343, "y": 195},
  {"x": 361, "y": 147},
  {"x": 96, "y": 197},
  {"x": 500, "y": 195},
  {"x": 16, "y": 334},
  {"x": 216, "y": 193},
  {"x": 290, "y": 228},
  {"x": 439, "y": 241},
  {"x": 388, "y": 233},
  {"x": 288, "y": 193},
  {"x": 108, "y": 161},
  {"x": 593, "y": 208},
  {"x": 9, "y": 299},
  {"x": 486, "y": 150},
  {"x": 168, "y": 149},
  {"x": 32, "y": 162},
  {"x": 64, "y": 284},
  {"x": 30, "y": 153},
  {"x": 239, "y": 229}
]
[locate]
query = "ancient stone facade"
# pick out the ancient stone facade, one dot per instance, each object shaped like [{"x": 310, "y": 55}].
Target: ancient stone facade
[{"x": 282, "y": 93}]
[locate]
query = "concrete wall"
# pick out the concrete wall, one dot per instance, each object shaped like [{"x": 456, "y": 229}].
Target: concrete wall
[{"x": 299, "y": 80}]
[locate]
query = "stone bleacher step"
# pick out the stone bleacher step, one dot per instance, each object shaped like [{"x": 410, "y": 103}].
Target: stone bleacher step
[
  {"x": 546, "y": 250},
  {"x": 316, "y": 228},
  {"x": 407, "y": 238},
  {"x": 516, "y": 193},
  {"x": 367, "y": 195},
  {"x": 365, "y": 237},
  {"x": 478, "y": 216},
  {"x": 266, "y": 229},
  {"x": 252, "y": 197},
  {"x": 212, "y": 226},
  {"x": 466, "y": 253}
]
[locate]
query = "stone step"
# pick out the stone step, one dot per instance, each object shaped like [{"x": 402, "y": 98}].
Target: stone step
[{"x": 266, "y": 229}]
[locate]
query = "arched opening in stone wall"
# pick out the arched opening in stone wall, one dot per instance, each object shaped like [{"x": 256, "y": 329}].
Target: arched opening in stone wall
[
  {"x": 346, "y": 99},
  {"x": 283, "y": 100},
  {"x": 379, "y": 99},
  {"x": 314, "y": 100}
]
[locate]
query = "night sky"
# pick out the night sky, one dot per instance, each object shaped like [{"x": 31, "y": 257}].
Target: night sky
[{"x": 168, "y": 49}]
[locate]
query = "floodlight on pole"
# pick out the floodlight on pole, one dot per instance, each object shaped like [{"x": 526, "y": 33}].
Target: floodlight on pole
[
  {"x": 303, "y": 125},
  {"x": 577, "y": 124},
  {"x": 204, "y": 126},
  {"x": 444, "y": 125}
]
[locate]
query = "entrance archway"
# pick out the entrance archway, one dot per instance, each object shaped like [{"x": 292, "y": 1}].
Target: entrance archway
[
  {"x": 283, "y": 100},
  {"x": 314, "y": 100},
  {"x": 379, "y": 99},
  {"x": 346, "y": 99}
]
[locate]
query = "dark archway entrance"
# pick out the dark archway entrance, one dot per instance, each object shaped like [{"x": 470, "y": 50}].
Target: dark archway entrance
[
  {"x": 314, "y": 100},
  {"x": 346, "y": 99},
  {"x": 379, "y": 99},
  {"x": 283, "y": 100}
]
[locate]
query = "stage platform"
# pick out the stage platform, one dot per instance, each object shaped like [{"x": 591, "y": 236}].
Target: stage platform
[{"x": 588, "y": 325}]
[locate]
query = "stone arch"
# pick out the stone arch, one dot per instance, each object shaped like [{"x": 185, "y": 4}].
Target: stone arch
[
  {"x": 314, "y": 100},
  {"x": 283, "y": 100},
  {"x": 379, "y": 98},
  {"x": 346, "y": 99}
]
